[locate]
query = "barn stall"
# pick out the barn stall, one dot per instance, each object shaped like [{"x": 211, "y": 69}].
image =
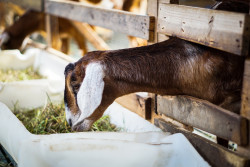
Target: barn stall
[{"x": 229, "y": 33}]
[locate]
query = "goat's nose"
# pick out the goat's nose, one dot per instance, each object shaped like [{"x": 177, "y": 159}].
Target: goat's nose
[{"x": 70, "y": 122}]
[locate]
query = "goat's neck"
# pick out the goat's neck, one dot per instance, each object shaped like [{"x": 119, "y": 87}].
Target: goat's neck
[{"x": 147, "y": 69}]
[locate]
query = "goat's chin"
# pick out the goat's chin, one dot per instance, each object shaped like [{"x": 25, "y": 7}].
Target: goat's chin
[{"x": 84, "y": 125}]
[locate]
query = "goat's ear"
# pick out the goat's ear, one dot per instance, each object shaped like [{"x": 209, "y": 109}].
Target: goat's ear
[
  {"x": 68, "y": 68},
  {"x": 90, "y": 94}
]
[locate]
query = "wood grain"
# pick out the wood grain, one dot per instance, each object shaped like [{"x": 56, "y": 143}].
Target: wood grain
[
  {"x": 222, "y": 30},
  {"x": 205, "y": 116},
  {"x": 120, "y": 21}
]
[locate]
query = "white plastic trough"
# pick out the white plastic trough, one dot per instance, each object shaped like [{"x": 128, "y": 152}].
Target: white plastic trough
[
  {"x": 94, "y": 149},
  {"x": 153, "y": 148}
]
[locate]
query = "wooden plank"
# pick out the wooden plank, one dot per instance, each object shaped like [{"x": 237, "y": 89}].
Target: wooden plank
[
  {"x": 137, "y": 104},
  {"x": 91, "y": 36},
  {"x": 245, "y": 105},
  {"x": 223, "y": 30},
  {"x": 215, "y": 155},
  {"x": 205, "y": 116},
  {"x": 27, "y": 4},
  {"x": 120, "y": 21}
]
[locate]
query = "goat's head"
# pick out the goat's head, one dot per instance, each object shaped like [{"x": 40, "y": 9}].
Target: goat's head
[
  {"x": 84, "y": 87},
  {"x": 7, "y": 41}
]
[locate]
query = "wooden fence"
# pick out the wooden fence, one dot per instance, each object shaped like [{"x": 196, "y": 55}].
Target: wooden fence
[{"x": 226, "y": 31}]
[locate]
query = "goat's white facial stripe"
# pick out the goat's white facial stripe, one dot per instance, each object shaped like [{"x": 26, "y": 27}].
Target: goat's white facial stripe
[{"x": 90, "y": 93}]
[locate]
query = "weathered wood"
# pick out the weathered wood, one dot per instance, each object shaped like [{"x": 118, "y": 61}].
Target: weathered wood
[
  {"x": 245, "y": 105},
  {"x": 137, "y": 104},
  {"x": 120, "y": 21},
  {"x": 91, "y": 36},
  {"x": 205, "y": 116},
  {"x": 215, "y": 155},
  {"x": 223, "y": 30},
  {"x": 27, "y": 4}
]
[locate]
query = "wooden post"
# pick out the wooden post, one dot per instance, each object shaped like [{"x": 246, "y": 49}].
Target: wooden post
[
  {"x": 245, "y": 102},
  {"x": 52, "y": 29},
  {"x": 153, "y": 11}
]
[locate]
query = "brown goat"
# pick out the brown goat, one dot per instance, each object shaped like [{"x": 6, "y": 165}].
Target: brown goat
[
  {"x": 33, "y": 21},
  {"x": 172, "y": 67}
]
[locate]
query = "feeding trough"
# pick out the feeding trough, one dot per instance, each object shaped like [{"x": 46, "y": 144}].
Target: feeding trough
[{"x": 94, "y": 149}]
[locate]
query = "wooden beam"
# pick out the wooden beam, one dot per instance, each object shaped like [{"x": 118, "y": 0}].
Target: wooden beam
[
  {"x": 222, "y": 30},
  {"x": 205, "y": 116},
  {"x": 215, "y": 155},
  {"x": 91, "y": 36},
  {"x": 120, "y": 21},
  {"x": 27, "y": 4},
  {"x": 137, "y": 104}
]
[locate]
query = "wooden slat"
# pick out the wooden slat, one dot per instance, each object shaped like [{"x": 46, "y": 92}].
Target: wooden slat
[
  {"x": 27, "y": 4},
  {"x": 245, "y": 105},
  {"x": 223, "y": 30},
  {"x": 137, "y": 104},
  {"x": 205, "y": 116},
  {"x": 120, "y": 21},
  {"x": 215, "y": 155}
]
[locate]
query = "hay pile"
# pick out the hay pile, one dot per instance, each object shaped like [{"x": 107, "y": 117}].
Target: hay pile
[
  {"x": 52, "y": 120},
  {"x": 11, "y": 75}
]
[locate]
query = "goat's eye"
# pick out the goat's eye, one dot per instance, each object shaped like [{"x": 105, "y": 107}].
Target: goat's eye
[{"x": 76, "y": 87}]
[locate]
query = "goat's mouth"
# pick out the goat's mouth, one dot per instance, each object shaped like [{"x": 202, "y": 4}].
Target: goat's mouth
[{"x": 84, "y": 125}]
